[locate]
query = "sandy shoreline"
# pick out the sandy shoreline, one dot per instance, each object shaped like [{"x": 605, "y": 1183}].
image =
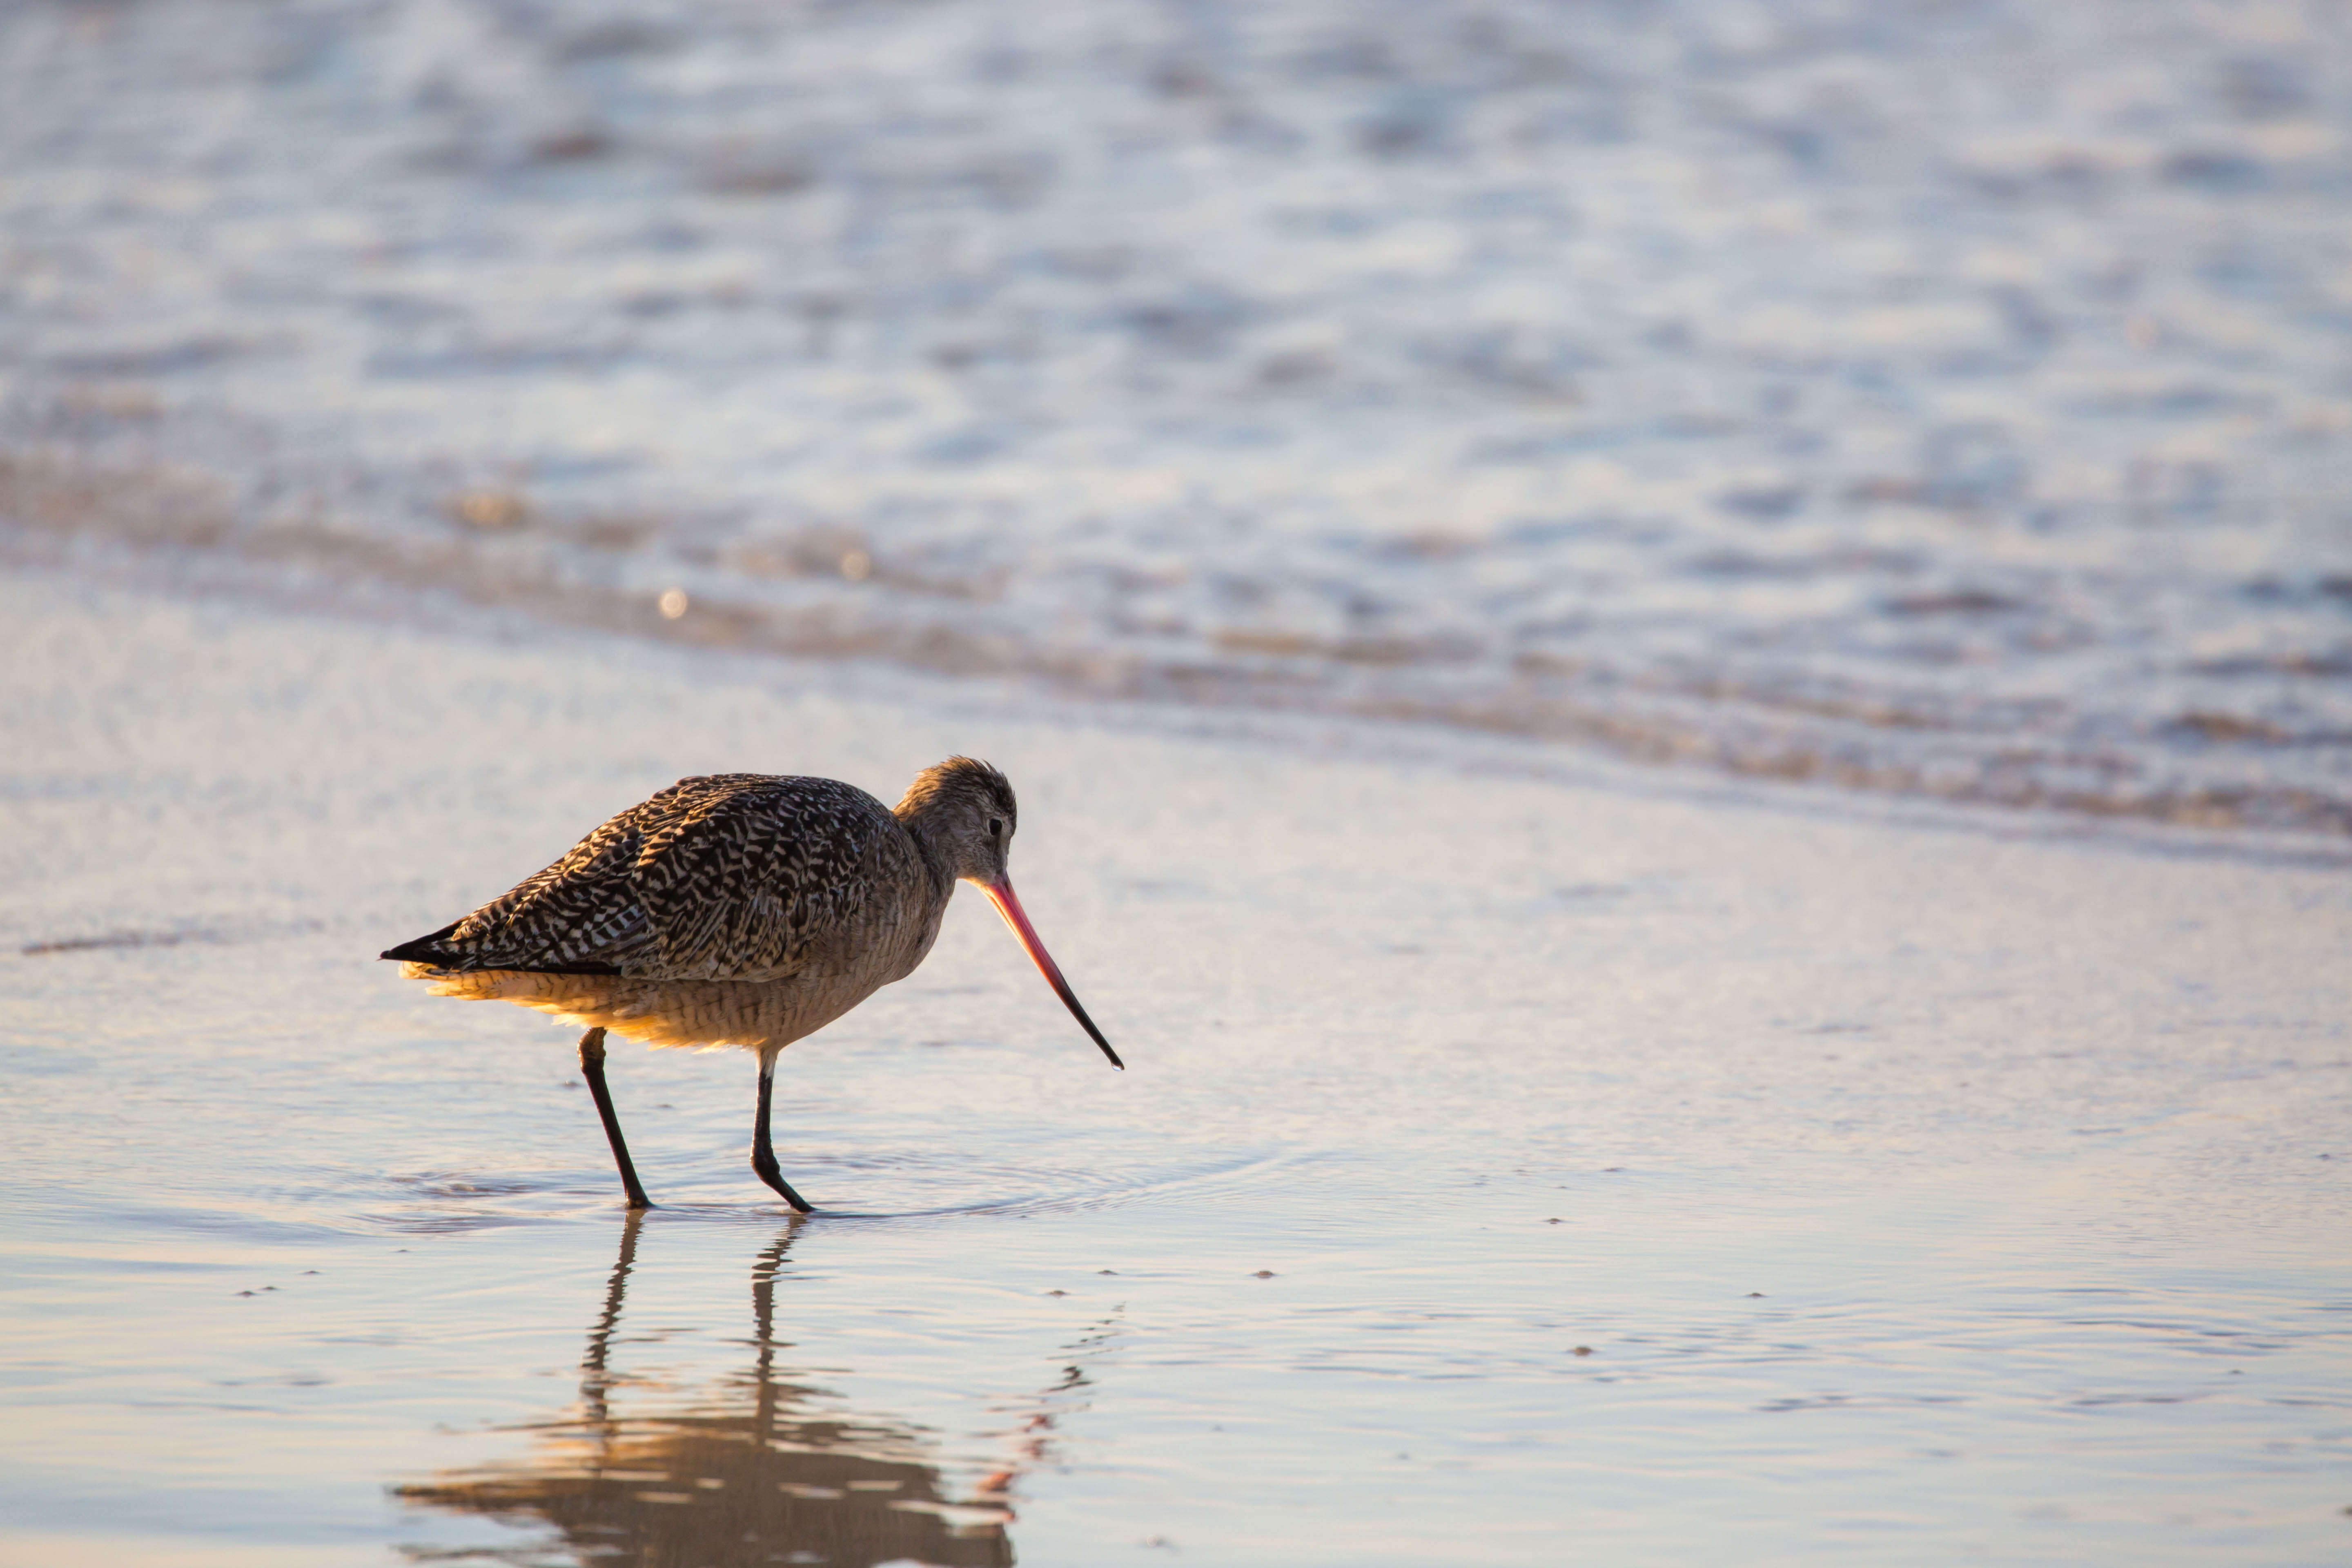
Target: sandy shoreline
[
  {"x": 1922, "y": 1088},
  {"x": 1680, "y": 682}
]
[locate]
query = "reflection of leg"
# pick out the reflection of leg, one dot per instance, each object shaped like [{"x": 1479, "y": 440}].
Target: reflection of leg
[
  {"x": 593, "y": 1380},
  {"x": 763, "y": 1157},
  {"x": 763, "y": 1319},
  {"x": 592, "y": 1067}
]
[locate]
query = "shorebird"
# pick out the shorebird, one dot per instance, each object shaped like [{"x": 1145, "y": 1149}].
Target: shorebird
[{"x": 739, "y": 910}]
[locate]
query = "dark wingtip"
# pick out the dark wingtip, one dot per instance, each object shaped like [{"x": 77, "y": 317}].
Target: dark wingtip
[
  {"x": 430, "y": 950},
  {"x": 425, "y": 949}
]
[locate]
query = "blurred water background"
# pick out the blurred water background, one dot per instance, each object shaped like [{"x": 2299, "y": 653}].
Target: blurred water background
[{"x": 1948, "y": 396}]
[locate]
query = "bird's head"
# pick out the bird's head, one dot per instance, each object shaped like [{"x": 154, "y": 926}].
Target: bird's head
[{"x": 964, "y": 811}]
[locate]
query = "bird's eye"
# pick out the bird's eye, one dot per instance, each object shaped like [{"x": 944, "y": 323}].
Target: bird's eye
[{"x": 996, "y": 828}]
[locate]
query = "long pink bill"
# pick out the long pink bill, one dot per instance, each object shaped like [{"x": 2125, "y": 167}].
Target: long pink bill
[{"x": 1001, "y": 895}]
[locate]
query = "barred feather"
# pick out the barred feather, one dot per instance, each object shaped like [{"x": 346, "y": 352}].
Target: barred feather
[
  {"x": 736, "y": 908},
  {"x": 726, "y": 877}
]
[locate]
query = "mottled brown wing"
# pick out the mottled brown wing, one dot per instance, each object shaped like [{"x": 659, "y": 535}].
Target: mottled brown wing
[
  {"x": 741, "y": 885},
  {"x": 729, "y": 876}
]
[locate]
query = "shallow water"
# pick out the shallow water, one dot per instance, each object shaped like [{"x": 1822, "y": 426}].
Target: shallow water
[
  {"x": 1510, "y": 1169},
  {"x": 1933, "y": 398}
]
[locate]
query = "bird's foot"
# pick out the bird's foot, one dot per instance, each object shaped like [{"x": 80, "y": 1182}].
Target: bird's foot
[{"x": 767, "y": 1171}]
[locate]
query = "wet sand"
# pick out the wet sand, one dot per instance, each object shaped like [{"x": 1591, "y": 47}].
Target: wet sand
[{"x": 1521, "y": 1162}]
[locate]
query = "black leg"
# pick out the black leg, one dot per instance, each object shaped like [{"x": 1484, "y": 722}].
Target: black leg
[
  {"x": 763, "y": 1156},
  {"x": 592, "y": 1067}
]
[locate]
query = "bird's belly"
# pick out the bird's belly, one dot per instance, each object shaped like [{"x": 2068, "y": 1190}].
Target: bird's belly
[{"x": 696, "y": 1012}]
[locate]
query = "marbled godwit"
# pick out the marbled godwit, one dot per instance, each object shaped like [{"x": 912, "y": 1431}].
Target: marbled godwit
[{"x": 739, "y": 910}]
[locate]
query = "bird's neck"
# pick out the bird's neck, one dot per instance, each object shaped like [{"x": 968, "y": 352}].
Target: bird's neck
[{"x": 932, "y": 845}]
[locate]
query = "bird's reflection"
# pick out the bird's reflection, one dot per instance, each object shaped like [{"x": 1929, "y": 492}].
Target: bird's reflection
[{"x": 718, "y": 1479}]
